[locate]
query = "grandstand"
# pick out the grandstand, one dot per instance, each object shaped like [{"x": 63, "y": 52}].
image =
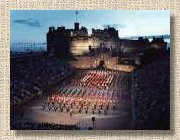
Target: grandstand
[
  {"x": 50, "y": 93},
  {"x": 42, "y": 86}
]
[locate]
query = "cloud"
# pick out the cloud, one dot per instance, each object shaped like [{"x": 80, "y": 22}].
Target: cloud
[
  {"x": 29, "y": 22},
  {"x": 117, "y": 26}
]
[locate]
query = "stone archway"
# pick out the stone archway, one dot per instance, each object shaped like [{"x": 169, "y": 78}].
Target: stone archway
[{"x": 101, "y": 64}]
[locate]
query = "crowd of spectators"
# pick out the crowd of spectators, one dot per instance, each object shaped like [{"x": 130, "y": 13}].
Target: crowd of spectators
[
  {"x": 30, "y": 76},
  {"x": 40, "y": 126},
  {"x": 151, "y": 96}
]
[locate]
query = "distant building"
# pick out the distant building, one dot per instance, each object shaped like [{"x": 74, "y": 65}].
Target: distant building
[{"x": 158, "y": 43}]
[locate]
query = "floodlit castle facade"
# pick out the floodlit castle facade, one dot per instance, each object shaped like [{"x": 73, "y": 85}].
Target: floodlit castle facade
[
  {"x": 78, "y": 41},
  {"x": 68, "y": 43}
]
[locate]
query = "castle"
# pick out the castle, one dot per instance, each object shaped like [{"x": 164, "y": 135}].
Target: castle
[
  {"x": 74, "y": 42},
  {"x": 78, "y": 41}
]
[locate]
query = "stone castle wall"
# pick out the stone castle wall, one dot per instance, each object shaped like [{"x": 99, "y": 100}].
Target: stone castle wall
[{"x": 79, "y": 47}]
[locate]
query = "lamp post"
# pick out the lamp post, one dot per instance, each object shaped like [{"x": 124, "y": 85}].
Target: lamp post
[{"x": 93, "y": 121}]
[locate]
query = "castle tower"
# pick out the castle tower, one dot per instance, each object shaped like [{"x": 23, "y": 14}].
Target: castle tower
[
  {"x": 76, "y": 24},
  {"x": 50, "y": 39}
]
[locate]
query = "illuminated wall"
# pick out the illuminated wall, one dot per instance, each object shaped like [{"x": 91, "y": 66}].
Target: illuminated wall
[{"x": 79, "y": 47}]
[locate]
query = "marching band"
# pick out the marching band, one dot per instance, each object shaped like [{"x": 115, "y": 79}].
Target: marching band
[{"x": 92, "y": 93}]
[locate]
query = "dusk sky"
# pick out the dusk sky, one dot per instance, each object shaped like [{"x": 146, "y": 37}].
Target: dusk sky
[{"x": 32, "y": 25}]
